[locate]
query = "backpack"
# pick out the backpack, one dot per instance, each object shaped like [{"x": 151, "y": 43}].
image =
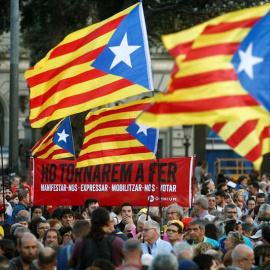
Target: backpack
[{"x": 93, "y": 250}]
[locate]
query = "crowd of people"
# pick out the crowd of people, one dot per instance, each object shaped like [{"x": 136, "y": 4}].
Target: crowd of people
[{"x": 226, "y": 228}]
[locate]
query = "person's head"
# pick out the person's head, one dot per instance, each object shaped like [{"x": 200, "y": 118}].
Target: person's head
[
  {"x": 90, "y": 205},
  {"x": 23, "y": 221},
  {"x": 24, "y": 197},
  {"x": 266, "y": 234},
  {"x": 253, "y": 188},
  {"x": 200, "y": 204},
  {"x": 260, "y": 199},
  {"x": 211, "y": 231},
  {"x": 151, "y": 231},
  {"x": 202, "y": 247},
  {"x": 15, "y": 181},
  {"x": 183, "y": 251},
  {"x": 54, "y": 223},
  {"x": 47, "y": 259},
  {"x": 247, "y": 229},
  {"x": 205, "y": 261},
  {"x": 197, "y": 230},
  {"x": 174, "y": 232},
  {"x": 37, "y": 211},
  {"x": 242, "y": 257},
  {"x": 211, "y": 201},
  {"x": 129, "y": 228},
  {"x": 251, "y": 203},
  {"x": 261, "y": 254},
  {"x": 209, "y": 184},
  {"x": 81, "y": 228},
  {"x": 7, "y": 248},
  {"x": 242, "y": 180},
  {"x": 266, "y": 177},
  {"x": 230, "y": 226},
  {"x": 14, "y": 198},
  {"x": 233, "y": 239},
  {"x": 51, "y": 237},
  {"x": 140, "y": 222},
  {"x": 132, "y": 249},
  {"x": 164, "y": 259},
  {"x": 126, "y": 210},
  {"x": 66, "y": 234},
  {"x": 173, "y": 212},
  {"x": 220, "y": 197},
  {"x": 27, "y": 247},
  {"x": 67, "y": 217},
  {"x": 238, "y": 196},
  {"x": 100, "y": 223},
  {"x": 84, "y": 213},
  {"x": 223, "y": 186},
  {"x": 264, "y": 211},
  {"x": 19, "y": 231},
  {"x": 42, "y": 227},
  {"x": 230, "y": 209},
  {"x": 263, "y": 186}
]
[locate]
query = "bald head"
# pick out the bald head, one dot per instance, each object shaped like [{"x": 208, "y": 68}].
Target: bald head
[
  {"x": 47, "y": 258},
  {"x": 242, "y": 257},
  {"x": 27, "y": 236}
]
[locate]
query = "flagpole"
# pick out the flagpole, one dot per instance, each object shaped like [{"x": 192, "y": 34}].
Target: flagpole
[{"x": 72, "y": 138}]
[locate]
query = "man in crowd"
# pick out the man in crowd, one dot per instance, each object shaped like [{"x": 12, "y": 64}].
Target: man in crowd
[
  {"x": 27, "y": 250},
  {"x": 200, "y": 206},
  {"x": 47, "y": 259},
  {"x": 242, "y": 258},
  {"x": 151, "y": 234},
  {"x": 220, "y": 197},
  {"x": 253, "y": 188},
  {"x": 211, "y": 202},
  {"x": 67, "y": 217},
  {"x": 132, "y": 251},
  {"x": 42, "y": 227},
  {"x": 23, "y": 203},
  {"x": 90, "y": 205},
  {"x": 231, "y": 210},
  {"x": 266, "y": 177},
  {"x": 51, "y": 237},
  {"x": 174, "y": 233},
  {"x": 197, "y": 233},
  {"x": 173, "y": 212},
  {"x": 127, "y": 213}
]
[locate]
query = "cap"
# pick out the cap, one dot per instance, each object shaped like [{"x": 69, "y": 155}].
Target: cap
[
  {"x": 257, "y": 235},
  {"x": 143, "y": 211},
  {"x": 177, "y": 221}
]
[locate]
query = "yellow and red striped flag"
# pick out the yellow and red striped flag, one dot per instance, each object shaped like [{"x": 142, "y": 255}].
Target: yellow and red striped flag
[
  {"x": 250, "y": 139},
  {"x": 97, "y": 65},
  {"x": 57, "y": 143},
  {"x": 212, "y": 80},
  {"x": 107, "y": 140}
]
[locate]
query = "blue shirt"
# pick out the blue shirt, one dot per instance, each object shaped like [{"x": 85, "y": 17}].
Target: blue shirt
[{"x": 158, "y": 247}]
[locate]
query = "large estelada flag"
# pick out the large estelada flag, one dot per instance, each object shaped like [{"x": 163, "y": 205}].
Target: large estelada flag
[
  {"x": 112, "y": 135},
  {"x": 97, "y": 65},
  {"x": 221, "y": 72},
  {"x": 57, "y": 143},
  {"x": 250, "y": 139}
]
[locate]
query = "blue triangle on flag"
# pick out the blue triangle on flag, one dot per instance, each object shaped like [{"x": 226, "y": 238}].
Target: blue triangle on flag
[
  {"x": 126, "y": 54},
  {"x": 63, "y": 136},
  {"x": 146, "y": 135}
]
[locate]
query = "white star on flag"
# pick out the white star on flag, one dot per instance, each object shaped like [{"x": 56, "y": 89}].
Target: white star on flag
[
  {"x": 63, "y": 136},
  {"x": 123, "y": 52},
  {"x": 248, "y": 61},
  {"x": 142, "y": 128}
]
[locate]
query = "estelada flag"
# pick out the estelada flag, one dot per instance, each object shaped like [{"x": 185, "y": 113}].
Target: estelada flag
[
  {"x": 97, "y": 65},
  {"x": 57, "y": 143},
  {"x": 221, "y": 72},
  {"x": 111, "y": 135}
]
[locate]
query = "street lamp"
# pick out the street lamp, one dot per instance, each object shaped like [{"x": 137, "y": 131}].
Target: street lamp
[{"x": 187, "y": 135}]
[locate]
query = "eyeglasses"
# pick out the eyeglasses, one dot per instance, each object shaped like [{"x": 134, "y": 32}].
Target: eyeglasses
[
  {"x": 173, "y": 231},
  {"x": 260, "y": 203},
  {"x": 146, "y": 230},
  {"x": 231, "y": 213}
]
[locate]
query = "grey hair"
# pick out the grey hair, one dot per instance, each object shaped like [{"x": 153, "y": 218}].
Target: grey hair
[
  {"x": 162, "y": 260},
  {"x": 247, "y": 227},
  {"x": 179, "y": 247},
  {"x": 264, "y": 209},
  {"x": 262, "y": 183},
  {"x": 229, "y": 205},
  {"x": 200, "y": 222},
  {"x": 219, "y": 222},
  {"x": 178, "y": 209},
  {"x": 21, "y": 229},
  {"x": 202, "y": 200},
  {"x": 216, "y": 213},
  {"x": 153, "y": 224},
  {"x": 142, "y": 218}
]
